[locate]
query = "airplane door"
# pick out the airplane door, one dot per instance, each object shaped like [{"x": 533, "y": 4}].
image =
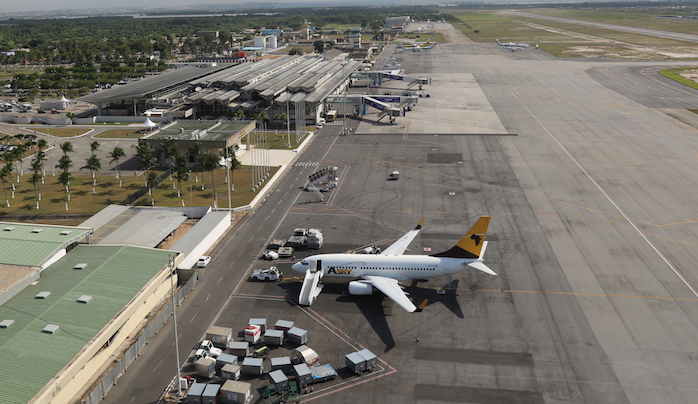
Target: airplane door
[{"x": 446, "y": 268}]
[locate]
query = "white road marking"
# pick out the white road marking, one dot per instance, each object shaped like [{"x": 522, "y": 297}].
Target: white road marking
[
  {"x": 219, "y": 281},
  {"x": 207, "y": 296},
  {"x": 156, "y": 366},
  {"x": 193, "y": 317}
]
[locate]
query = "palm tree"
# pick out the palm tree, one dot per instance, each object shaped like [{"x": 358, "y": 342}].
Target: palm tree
[
  {"x": 67, "y": 147},
  {"x": 152, "y": 181},
  {"x": 239, "y": 114},
  {"x": 210, "y": 162},
  {"x": 169, "y": 146},
  {"x": 145, "y": 156},
  {"x": 196, "y": 150},
  {"x": 37, "y": 166},
  {"x": 235, "y": 164},
  {"x": 64, "y": 179},
  {"x": 116, "y": 155},
  {"x": 64, "y": 163},
  {"x": 40, "y": 157},
  {"x": 35, "y": 180},
  {"x": 5, "y": 174},
  {"x": 93, "y": 164},
  {"x": 181, "y": 174},
  {"x": 42, "y": 144},
  {"x": 94, "y": 146}
]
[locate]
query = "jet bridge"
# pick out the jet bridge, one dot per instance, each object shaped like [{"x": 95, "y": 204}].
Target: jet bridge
[
  {"x": 380, "y": 102},
  {"x": 377, "y": 78}
]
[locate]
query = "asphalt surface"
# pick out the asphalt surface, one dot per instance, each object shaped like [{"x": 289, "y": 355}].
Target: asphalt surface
[{"x": 591, "y": 186}]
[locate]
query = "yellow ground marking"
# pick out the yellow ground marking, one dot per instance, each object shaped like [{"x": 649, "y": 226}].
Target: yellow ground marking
[
  {"x": 403, "y": 211},
  {"x": 509, "y": 213},
  {"x": 437, "y": 213}
]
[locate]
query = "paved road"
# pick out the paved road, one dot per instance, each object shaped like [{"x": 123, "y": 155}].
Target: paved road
[{"x": 592, "y": 192}]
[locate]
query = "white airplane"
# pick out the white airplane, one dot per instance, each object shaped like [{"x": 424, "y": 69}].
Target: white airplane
[
  {"x": 384, "y": 271},
  {"x": 512, "y": 44}
]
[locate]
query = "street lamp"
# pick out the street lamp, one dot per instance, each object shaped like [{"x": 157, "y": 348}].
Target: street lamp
[{"x": 170, "y": 267}]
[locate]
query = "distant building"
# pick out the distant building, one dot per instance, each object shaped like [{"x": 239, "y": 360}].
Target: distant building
[
  {"x": 397, "y": 23},
  {"x": 208, "y": 34}
]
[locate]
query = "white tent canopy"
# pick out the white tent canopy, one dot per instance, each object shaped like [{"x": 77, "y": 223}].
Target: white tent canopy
[{"x": 148, "y": 123}]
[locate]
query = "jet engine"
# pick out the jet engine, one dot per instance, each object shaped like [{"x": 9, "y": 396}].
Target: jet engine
[{"x": 360, "y": 288}]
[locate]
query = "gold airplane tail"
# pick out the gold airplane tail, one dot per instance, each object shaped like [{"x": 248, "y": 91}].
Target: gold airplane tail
[{"x": 471, "y": 244}]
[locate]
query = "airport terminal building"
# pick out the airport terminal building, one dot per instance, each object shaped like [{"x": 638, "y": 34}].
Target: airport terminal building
[{"x": 292, "y": 84}]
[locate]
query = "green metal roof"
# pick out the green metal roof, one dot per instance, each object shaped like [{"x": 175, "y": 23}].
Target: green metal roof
[
  {"x": 32, "y": 244},
  {"x": 113, "y": 275}
]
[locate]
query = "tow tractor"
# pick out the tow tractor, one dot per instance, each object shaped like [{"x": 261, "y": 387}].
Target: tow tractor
[{"x": 268, "y": 274}]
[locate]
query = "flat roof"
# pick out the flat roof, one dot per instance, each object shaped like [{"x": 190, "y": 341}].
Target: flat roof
[
  {"x": 214, "y": 131},
  {"x": 113, "y": 276},
  {"x": 141, "y": 88},
  {"x": 33, "y": 244}
]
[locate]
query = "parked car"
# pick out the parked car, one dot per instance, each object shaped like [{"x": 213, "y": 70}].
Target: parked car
[
  {"x": 203, "y": 261},
  {"x": 41, "y": 111}
]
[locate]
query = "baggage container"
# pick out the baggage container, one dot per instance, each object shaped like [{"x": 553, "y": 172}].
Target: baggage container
[
  {"x": 303, "y": 375},
  {"x": 253, "y": 333},
  {"x": 234, "y": 392},
  {"x": 283, "y": 325},
  {"x": 274, "y": 337},
  {"x": 240, "y": 349},
  {"x": 210, "y": 395},
  {"x": 355, "y": 362},
  {"x": 230, "y": 372},
  {"x": 205, "y": 367},
  {"x": 306, "y": 355},
  {"x": 281, "y": 363},
  {"x": 297, "y": 335},
  {"x": 220, "y": 336},
  {"x": 195, "y": 392},
  {"x": 225, "y": 359},
  {"x": 253, "y": 366},
  {"x": 370, "y": 357},
  {"x": 262, "y": 322},
  {"x": 279, "y": 380}
]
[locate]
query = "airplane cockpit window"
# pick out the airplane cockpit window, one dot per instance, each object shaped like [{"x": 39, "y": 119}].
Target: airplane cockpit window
[{"x": 304, "y": 263}]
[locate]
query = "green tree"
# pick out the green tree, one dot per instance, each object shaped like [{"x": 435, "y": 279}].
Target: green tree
[
  {"x": 169, "y": 147},
  {"x": 35, "y": 180},
  {"x": 94, "y": 146},
  {"x": 145, "y": 156},
  {"x": 116, "y": 155},
  {"x": 64, "y": 179},
  {"x": 152, "y": 181},
  {"x": 181, "y": 174},
  {"x": 66, "y": 147},
  {"x": 209, "y": 162},
  {"x": 239, "y": 114},
  {"x": 64, "y": 163},
  {"x": 196, "y": 150},
  {"x": 5, "y": 175},
  {"x": 319, "y": 46},
  {"x": 93, "y": 164}
]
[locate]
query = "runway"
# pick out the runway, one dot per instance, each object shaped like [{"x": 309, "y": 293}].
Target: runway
[{"x": 591, "y": 188}]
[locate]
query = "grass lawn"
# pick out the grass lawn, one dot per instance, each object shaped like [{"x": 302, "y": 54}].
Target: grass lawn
[
  {"x": 279, "y": 140},
  {"x": 675, "y": 74},
  {"x": 165, "y": 195},
  {"x": 60, "y": 132},
  {"x": 131, "y": 133},
  {"x": 82, "y": 201}
]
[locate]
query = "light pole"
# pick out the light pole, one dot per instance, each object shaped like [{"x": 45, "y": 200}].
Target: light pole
[{"x": 170, "y": 267}]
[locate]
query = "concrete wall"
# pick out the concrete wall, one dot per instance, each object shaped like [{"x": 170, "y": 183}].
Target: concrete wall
[
  {"x": 77, "y": 375},
  {"x": 10, "y": 292}
]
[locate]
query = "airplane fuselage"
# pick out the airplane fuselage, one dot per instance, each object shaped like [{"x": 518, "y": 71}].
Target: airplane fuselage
[{"x": 348, "y": 267}]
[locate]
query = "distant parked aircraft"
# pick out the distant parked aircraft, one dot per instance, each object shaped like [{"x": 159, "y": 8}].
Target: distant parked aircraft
[{"x": 511, "y": 44}]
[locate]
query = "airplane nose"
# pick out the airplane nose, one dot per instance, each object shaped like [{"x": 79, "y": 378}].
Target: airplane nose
[{"x": 296, "y": 267}]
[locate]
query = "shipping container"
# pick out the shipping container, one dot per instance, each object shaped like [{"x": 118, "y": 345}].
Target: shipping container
[
  {"x": 234, "y": 392},
  {"x": 279, "y": 380},
  {"x": 297, "y": 335},
  {"x": 274, "y": 337}
]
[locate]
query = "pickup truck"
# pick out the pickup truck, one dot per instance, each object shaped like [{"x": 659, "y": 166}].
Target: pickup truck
[{"x": 268, "y": 274}]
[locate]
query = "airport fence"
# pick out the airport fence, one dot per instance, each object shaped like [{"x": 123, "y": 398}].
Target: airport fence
[{"x": 109, "y": 378}]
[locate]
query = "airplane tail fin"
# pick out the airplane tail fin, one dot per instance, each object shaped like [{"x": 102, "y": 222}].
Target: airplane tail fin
[
  {"x": 497, "y": 40},
  {"x": 471, "y": 245}
]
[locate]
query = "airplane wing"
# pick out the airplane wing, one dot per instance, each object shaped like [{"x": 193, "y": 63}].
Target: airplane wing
[
  {"x": 390, "y": 287},
  {"x": 399, "y": 247}
]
